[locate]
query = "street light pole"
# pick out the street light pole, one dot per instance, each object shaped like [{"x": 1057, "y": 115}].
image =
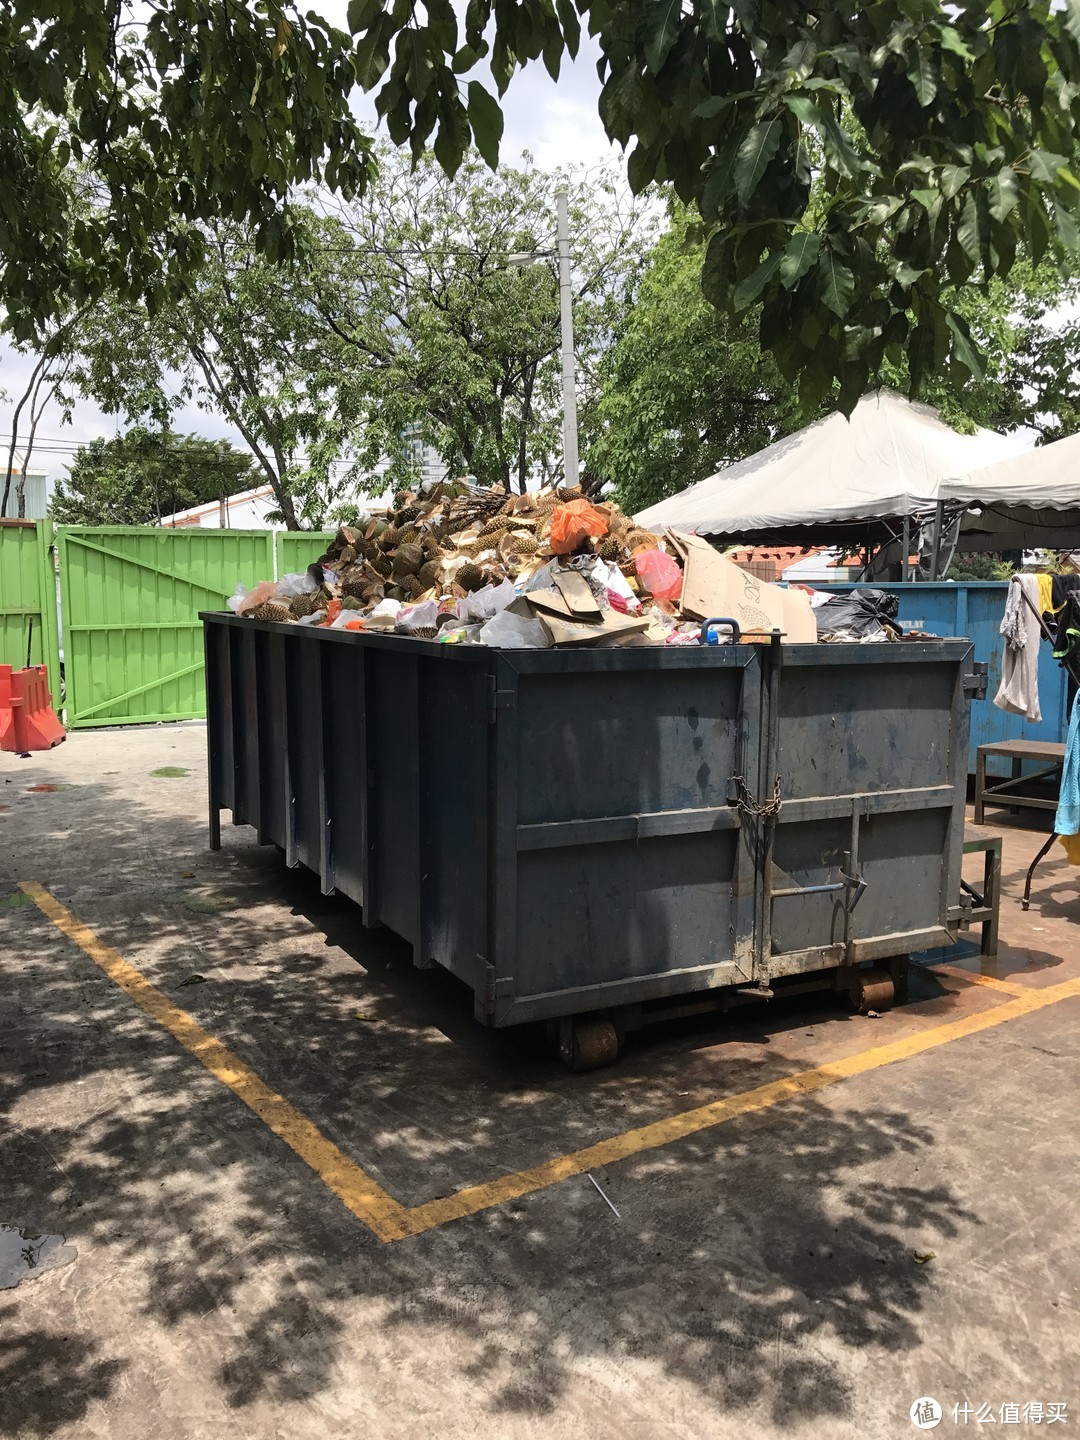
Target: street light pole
[{"x": 566, "y": 318}]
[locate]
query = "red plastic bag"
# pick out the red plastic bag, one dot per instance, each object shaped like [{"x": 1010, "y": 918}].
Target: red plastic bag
[
  {"x": 573, "y": 523},
  {"x": 659, "y": 574}
]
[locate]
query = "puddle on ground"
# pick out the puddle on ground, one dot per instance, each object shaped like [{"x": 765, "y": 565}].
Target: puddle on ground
[
  {"x": 170, "y": 772},
  {"x": 24, "y": 1255},
  {"x": 13, "y": 902},
  {"x": 45, "y": 789}
]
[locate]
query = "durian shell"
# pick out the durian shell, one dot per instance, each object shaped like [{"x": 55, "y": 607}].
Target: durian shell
[
  {"x": 302, "y": 605},
  {"x": 470, "y": 577},
  {"x": 269, "y": 610}
]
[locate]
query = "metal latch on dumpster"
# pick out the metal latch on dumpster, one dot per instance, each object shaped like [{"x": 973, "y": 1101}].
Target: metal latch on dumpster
[{"x": 975, "y": 683}]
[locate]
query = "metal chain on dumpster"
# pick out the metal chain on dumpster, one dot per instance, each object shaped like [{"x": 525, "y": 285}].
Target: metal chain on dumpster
[{"x": 749, "y": 803}]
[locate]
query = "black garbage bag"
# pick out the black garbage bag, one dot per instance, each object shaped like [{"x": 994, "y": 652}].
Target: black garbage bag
[{"x": 858, "y": 615}]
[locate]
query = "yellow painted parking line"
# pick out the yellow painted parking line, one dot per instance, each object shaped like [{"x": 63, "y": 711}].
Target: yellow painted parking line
[
  {"x": 353, "y": 1186},
  {"x": 991, "y": 982},
  {"x": 390, "y": 1220}
]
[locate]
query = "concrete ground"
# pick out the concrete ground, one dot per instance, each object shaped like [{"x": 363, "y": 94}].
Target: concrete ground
[{"x": 808, "y": 1269}]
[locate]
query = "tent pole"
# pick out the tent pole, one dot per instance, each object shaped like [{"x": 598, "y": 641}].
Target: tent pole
[
  {"x": 935, "y": 552},
  {"x": 906, "y": 542}
]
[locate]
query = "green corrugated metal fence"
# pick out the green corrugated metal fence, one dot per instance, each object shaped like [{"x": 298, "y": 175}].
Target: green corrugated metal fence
[
  {"x": 28, "y": 597},
  {"x": 131, "y": 596},
  {"x": 296, "y": 549}
]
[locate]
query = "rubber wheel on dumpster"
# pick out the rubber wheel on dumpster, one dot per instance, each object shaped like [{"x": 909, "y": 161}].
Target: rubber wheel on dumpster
[
  {"x": 593, "y": 1043},
  {"x": 871, "y": 989}
]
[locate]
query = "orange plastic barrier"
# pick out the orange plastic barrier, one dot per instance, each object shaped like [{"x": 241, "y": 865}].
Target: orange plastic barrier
[{"x": 27, "y": 719}]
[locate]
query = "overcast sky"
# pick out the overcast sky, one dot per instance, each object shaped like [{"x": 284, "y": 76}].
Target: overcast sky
[{"x": 557, "y": 124}]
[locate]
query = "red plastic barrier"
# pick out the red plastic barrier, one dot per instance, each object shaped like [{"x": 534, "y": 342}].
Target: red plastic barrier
[
  {"x": 27, "y": 719},
  {"x": 7, "y": 717}
]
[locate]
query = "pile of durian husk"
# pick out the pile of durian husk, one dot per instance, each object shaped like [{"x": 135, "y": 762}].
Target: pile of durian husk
[{"x": 450, "y": 542}]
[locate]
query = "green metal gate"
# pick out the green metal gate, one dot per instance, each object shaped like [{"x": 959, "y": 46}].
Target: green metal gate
[
  {"x": 130, "y": 601},
  {"x": 28, "y": 597},
  {"x": 297, "y": 549}
]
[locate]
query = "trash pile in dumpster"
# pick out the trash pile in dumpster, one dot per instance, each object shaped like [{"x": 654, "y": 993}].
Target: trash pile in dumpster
[{"x": 459, "y": 565}]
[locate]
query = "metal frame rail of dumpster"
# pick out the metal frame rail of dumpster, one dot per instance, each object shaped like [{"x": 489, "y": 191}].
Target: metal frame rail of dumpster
[{"x": 600, "y": 833}]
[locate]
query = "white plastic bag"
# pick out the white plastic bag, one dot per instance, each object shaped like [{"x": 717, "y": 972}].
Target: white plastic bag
[
  {"x": 384, "y": 616},
  {"x": 418, "y": 617},
  {"x": 485, "y": 603},
  {"x": 235, "y": 601},
  {"x": 514, "y": 632},
  {"x": 289, "y": 586}
]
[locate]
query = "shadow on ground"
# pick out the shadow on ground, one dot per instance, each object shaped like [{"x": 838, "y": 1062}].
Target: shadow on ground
[{"x": 735, "y": 1254}]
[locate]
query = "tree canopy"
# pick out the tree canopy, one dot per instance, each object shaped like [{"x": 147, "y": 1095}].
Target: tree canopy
[
  {"x": 688, "y": 390},
  {"x": 943, "y": 138},
  {"x": 137, "y": 478},
  {"x": 400, "y": 319}
]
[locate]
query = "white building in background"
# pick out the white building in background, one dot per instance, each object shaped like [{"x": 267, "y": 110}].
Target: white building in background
[{"x": 37, "y": 494}]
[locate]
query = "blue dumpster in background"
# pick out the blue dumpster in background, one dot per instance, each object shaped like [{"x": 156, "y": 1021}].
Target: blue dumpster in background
[{"x": 974, "y": 608}]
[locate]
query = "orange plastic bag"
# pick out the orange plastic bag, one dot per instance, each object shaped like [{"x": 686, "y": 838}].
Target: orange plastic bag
[
  {"x": 573, "y": 523},
  {"x": 660, "y": 574}
]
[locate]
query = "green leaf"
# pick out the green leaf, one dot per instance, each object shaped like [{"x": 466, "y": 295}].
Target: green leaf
[
  {"x": 964, "y": 348},
  {"x": 760, "y": 145},
  {"x": 953, "y": 178},
  {"x": 361, "y": 13},
  {"x": 800, "y": 254},
  {"x": 1045, "y": 165},
  {"x": 836, "y": 283},
  {"x": 750, "y": 288},
  {"x": 1065, "y": 224},
  {"x": 720, "y": 180},
  {"x": 923, "y": 77},
  {"x": 801, "y": 59},
  {"x": 662, "y": 33},
  {"x": 1003, "y": 192},
  {"x": 971, "y": 231},
  {"x": 952, "y": 40},
  {"x": 486, "y": 120}
]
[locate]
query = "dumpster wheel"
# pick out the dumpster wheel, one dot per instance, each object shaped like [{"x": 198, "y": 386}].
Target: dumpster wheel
[
  {"x": 871, "y": 989},
  {"x": 591, "y": 1044}
]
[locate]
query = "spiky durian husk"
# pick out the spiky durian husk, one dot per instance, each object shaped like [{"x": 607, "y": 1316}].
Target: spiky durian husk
[
  {"x": 424, "y": 632},
  {"x": 302, "y": 605},
  {"x": 382, "y": 563},
  {"x": 609, "y": 548},
  {"x": 497, "y": 523},
  {"x": 470, "y": 577},
  {"x": 520, "y": 545},
  {"x": 568, "y": 492},
  {"x": 269, "y": 610}
]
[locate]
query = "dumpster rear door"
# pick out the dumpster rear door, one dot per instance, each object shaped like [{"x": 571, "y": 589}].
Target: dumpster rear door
[{"x": 870, "y": 744}]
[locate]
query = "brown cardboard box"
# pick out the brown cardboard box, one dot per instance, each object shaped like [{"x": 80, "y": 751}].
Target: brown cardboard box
[
  {"x": 564, "y": 626},
  {"x": 714, "y": 585}
]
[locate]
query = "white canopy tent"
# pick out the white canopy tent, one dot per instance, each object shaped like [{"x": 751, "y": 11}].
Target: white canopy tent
[
  {"x": 837, "y": 481},
  {"x": 1028, "y": 501}
]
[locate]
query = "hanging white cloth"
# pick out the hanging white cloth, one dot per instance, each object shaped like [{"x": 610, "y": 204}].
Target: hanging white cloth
[{"x": 1018, "y": 692}]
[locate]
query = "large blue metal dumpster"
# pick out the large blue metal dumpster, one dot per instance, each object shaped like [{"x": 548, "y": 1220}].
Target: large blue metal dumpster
[
  {"x": 974, "y": 608},
  {"x": 578, "y": 832}
]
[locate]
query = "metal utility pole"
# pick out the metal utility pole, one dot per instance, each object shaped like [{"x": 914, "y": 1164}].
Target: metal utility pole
[{"x": 566, "y": 317}]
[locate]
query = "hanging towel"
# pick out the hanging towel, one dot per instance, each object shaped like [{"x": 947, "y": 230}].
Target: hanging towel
[
  {"x": 1067, "y": 819},
  {"x": 1018, "y": 692},
  {"x": 1046, "y": 594}
]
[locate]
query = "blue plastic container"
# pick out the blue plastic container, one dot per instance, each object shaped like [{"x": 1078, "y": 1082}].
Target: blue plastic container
[{"x": 974, "y": 608}]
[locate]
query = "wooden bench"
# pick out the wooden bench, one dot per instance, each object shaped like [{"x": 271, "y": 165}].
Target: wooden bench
[{"x": 1005, "y": 792}]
